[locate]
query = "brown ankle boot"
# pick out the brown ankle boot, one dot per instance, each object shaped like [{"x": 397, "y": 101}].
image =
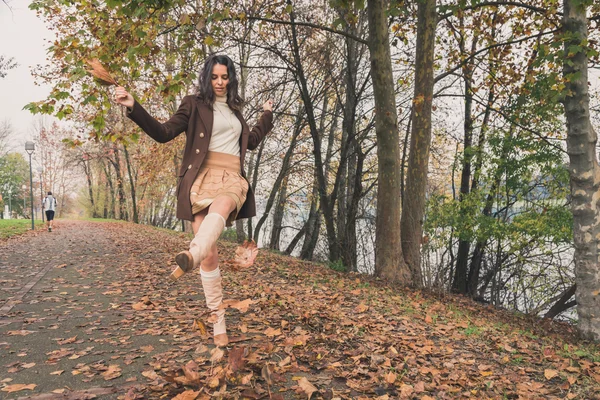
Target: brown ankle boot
[{"x": 185, "y": 260}]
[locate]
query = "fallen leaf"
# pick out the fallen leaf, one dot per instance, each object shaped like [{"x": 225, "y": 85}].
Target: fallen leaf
[
  {"x": 61, "y": 266},
  {"x": 68, "y": 341},
  {"x": 236, "y": 361},
  {"x": 150, "y": 375},
  {"x": 147, "y": 349},
  {"x": 550, "y": 373},
  {"x": 217, "y": 354},
  {"x": 390, "y": 377},
  {"x": 29, "y": 365},
  {"x": 266, "y": 374},
  {"x": 18, "y": 387},
  {"x": 308, "y": 387},
  {"x": 242, "y": 306},
  {"x": 187, "y": 395},
  {"x": 201, "y": 327},
  {"x": 272, "y": 332},
  {"x": 113, "y": 371},
  {"x": 22, "y": 332},
  {"x": 361, "y": 308}
]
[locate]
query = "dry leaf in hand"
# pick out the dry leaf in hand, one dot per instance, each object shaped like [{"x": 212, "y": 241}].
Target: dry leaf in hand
[
  {"x": 100, "y": 73},
  {"x": 245, "y": 254}
]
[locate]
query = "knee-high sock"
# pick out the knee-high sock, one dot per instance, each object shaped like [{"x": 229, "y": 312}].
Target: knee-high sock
[
  {"x": 207, "y": 235},
  {"x": 213, "y": 291}
]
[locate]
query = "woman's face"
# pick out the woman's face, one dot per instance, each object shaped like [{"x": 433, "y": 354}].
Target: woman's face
[{"x": 219, "y": 79}]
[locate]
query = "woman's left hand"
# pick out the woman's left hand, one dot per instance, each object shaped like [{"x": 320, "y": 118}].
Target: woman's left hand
[{"x": 268, "y": 106}]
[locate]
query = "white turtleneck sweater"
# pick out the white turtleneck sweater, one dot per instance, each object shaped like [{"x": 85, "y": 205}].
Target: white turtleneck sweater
[{"x": 226, "y": 130}]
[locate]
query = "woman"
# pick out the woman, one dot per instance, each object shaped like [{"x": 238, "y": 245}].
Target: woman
[{"x": 212, "y": 190}]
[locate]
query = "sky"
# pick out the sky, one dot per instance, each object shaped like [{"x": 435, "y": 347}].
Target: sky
[{"x": 25, "y": 37}]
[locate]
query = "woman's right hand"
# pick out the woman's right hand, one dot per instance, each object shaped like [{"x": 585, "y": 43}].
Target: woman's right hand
[{"x": 123, "y": 97}]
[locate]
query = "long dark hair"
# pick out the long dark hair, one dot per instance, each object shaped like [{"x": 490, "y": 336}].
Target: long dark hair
[{"x": 205, "y": 90}]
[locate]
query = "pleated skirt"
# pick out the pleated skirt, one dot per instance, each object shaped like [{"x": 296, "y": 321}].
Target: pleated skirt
[{"x": 219, "y": 175}]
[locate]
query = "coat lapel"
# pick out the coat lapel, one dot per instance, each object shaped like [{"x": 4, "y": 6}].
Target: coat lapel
[{"x": 206, "y": 116}]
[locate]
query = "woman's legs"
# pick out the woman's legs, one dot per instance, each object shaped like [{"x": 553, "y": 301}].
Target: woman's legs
[{"x": 207, "y": 226}]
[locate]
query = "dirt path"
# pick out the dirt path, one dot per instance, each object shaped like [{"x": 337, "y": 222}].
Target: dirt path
[{"x": 88, "y": 312}]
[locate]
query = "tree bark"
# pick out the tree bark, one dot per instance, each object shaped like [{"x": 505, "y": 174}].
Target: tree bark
[
  {"x": 131, "y": 185},
  {"x": 583, "y": 169},
  {"x": 389, "y": 261},
  {"x": 420, "y": 141},
  {"x": 278, "y": 215}
]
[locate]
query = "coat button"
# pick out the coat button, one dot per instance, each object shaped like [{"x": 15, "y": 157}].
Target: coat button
[
  {"x": 201, "y": 134},
  {"x": 197, "y": 151},
  {"x": 190, "y": 166}
]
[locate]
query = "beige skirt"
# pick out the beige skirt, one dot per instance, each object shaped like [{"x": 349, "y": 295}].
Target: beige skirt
[{"x": 219, "y": 175}]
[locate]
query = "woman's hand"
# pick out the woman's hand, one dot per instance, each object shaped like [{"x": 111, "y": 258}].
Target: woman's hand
[
  {"x": 123, "y": 97},
  {"x": 268, "y": 106}
]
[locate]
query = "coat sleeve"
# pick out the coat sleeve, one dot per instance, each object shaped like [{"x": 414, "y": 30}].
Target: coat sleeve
[
  {"x": 260, "y": 130},
  {"x": 165, "y": 131}
]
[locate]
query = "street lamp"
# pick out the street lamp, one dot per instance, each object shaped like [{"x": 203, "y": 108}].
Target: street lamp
[
  {"x": 30, "y": 148},
  {"x": 40, "y": 170},
  {"x": 9, "y": 203}
]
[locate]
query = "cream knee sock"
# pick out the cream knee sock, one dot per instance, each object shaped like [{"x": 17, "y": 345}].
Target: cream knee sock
[
  {"x": 213, "y": 291},
  {"x": 207, "y": 235}
]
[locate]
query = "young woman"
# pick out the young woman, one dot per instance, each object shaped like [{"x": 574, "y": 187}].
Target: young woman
[{"x": 212, "y": 190}]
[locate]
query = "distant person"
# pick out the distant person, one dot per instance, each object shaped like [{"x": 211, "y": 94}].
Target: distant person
[
  {"x": 212, "y": 188},
  {"x": 50, "y": 207}
]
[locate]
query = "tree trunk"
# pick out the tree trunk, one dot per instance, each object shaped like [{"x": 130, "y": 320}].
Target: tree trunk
[
  {"x": 131, "y": 185},
  {"x": 278, "y": 215},
  {"x": 87, "y": 168},
  {"x": 584, "y": 169},
  {"x": 389, "y": 261},
  {"x": 460, "y": 282},
  {"x": 420, "y": 140},
  {"x": 326, "y": 202}
]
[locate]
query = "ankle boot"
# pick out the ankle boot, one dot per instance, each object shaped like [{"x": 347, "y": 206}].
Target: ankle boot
[
  {"x": 207, "y": 235},
  {"x": 213, "y": 292}
]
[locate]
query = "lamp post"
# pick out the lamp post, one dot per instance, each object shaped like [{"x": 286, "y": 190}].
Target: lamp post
[
  {"x": 9, "y": 203},
  {"x": 30, "y": 148},
  {"x": 40, "y": 170}
]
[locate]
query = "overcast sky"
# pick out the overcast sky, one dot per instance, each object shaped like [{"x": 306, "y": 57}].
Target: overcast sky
[{"x": 24, "y": 37}]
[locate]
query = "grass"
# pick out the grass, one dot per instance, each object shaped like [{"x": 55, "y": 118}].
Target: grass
[{"x": 12, "y": 227}]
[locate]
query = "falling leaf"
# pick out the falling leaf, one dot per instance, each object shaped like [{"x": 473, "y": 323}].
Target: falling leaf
[
  {"x": 18, "y": 387},
  {"x": 113, "y": 371},
  {"x": 187, "y": 395},
  {"x": 308, "y": 387},
  {"x": 550, "y": 373},
  {"x": 245, "y": 254}
]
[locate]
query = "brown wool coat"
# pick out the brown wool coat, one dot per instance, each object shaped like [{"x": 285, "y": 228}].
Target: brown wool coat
[{"x": 196, "y": 119}]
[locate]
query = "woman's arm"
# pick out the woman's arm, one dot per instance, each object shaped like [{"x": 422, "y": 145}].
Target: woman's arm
[
  {"x": 161, "y": 132},
  {"x": 262, "y": 127}
]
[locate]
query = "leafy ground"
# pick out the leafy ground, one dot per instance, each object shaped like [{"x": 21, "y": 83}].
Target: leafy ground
[
  {"x": 11, "y": 227},
  {"x": 88, "y": 312}
]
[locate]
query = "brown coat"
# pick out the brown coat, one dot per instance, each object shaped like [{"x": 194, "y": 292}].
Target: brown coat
[{"x": 196, "y": 119}]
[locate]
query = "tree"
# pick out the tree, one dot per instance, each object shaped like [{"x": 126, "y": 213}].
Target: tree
[
  {"x": 389, "y": 262},
  {"x": 6, "y": 64},
  {"x": 584, "y": 169}
]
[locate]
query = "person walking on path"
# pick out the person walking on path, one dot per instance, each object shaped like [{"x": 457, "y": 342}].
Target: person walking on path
[
  {"x": 212, "y": 189},
  {"x": 49, "y": 205}
]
